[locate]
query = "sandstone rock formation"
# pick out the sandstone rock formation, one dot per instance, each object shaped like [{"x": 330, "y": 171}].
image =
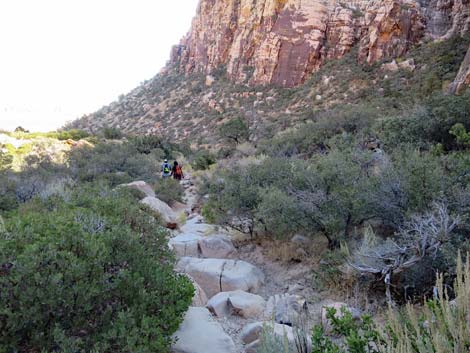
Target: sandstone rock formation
[
  {"x": 218, "y": 275},
  {"x": 141, "y": 186},
  {"x": 236, "y": 303},
  {"x": 463, "y": 77},
  {"x": 160, "y": 207},
  {"x": 251, "y": 334},
  {"x": 283, "y": 41},
  {"x": 200, "y": 333}
]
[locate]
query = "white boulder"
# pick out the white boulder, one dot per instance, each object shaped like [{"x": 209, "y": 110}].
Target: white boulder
[
  {"x": 141, "y": 186},
  {"x": 216, "y": 247},
  {"x": 237, "y": 302},
  {"x": 200, "y": 333},
  {"x": 285, "y": 308},
  {"x": 219, "y": 275},
  {"x": 160, "y": 207},
  {"x": 186, "y": 244}
]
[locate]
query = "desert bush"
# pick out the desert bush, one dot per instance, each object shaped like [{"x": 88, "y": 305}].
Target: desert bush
[
  {"x": 74, "y": 134},
  {"x": 235, "y": 130},
  {"x": 148, "y": 143},
  {"x": 440, "y": 326},
  {"x": 112, "y": 133},
  {"x": 357, "y": 336},
  {"x": 169, "y": 190},
  {"x": 6, "y": 159},
  {"x": 202, "y": 160},
  {"x": 273, "y": 343},
  {"x": 314, "y": 136},
  {"x": 92, "y": 274},
  {"x": 420, "y": 238},
  {"x": 428, "y": 124},
  {"x": 117, "y": 163}
]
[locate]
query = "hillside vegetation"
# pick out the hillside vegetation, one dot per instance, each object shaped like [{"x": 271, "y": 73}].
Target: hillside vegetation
[
  {"x": 84, "y": 267},
  {"x": 191, "y": 107},
  {"x": 370, "y": 165}
]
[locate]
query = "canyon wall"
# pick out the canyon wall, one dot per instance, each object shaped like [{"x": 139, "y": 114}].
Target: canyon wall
[{"x": 282, "y": 42}]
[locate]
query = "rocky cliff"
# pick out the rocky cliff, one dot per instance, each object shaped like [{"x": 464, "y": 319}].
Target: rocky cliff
[
  {"x": 282, "y": 42},
  {"x": 462, "y": 80},
  {"x": 278, "y": 62}
]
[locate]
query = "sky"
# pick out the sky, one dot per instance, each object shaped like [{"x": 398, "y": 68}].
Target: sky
[{"x": 61, "y": 59}]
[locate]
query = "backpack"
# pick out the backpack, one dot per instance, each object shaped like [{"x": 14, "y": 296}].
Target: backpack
[
  {"x": 166, "y": 168},
  {"x": 178, "y": 171}
]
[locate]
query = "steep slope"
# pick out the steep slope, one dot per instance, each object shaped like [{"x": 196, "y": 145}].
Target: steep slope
[
  {"x": 190, "y": 107},
  {"x": 277, "y": 62},
  {"x": 463, "y": 77}
]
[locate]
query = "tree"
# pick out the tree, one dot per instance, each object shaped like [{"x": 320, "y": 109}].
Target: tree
[
  {"x": 236, "y": 130},
  {"x": 21, "y": 129}
]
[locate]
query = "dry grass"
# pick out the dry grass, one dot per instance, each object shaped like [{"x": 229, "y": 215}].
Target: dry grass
[{"x": 440, "y": 326}]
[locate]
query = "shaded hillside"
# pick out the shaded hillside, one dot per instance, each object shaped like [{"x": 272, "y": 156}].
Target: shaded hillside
[{"x": 191, "y": 107}]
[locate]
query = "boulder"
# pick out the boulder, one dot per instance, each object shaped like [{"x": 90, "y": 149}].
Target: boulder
[
  {"x": 217, "y": 247},
  {"x": 338, "y": 306},
  {"x": 200, "y": 333},
  {"x": 200, "y": 297},
  {"x": 251, "y": 334},
  {"x": 301, "y": 240},
  {"x": 236, "y": 303},
  {"x": 408, "y": 65},
  {"x": 141, "y": 186},
  {"x": 219, "y": 275},
  {"x": 392, "y": 66},
  {"x": 285, "y": 308},
  {"x": 186, "y": 244},
  {"x": 196, "y": 225},
  {"x": 160, "y": 207}
]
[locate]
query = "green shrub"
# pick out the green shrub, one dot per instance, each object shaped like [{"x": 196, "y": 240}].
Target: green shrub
[
  {"x": 117, "y": 163},
  {"x": 429, "y": 124},
  {"x": 440, "y": 325},
  {"x": 202, "y": 160},
  {"x": 73, "y": 134},
  {"x": 92, "y": 274},
  {"x": 6, "y": 159},
  {"x": 112, "y": 133},
  {"x": 169, "y": 190},
  {"x": 235, "y": 130}
]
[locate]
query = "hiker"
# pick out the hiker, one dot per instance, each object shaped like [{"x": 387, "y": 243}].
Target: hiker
[
  {"x": 166, "y": 169},
  {"x": 177, "y": 171}
]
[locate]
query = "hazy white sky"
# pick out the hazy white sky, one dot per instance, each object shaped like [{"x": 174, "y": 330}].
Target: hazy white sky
[{"x": 60, "y": 59}]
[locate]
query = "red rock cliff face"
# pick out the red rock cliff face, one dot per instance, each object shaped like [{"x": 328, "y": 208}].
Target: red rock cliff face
[{"x": 283, "y": 41}]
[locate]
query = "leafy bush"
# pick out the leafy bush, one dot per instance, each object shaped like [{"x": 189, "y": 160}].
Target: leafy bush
[{"x": 92, "y": 274}]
